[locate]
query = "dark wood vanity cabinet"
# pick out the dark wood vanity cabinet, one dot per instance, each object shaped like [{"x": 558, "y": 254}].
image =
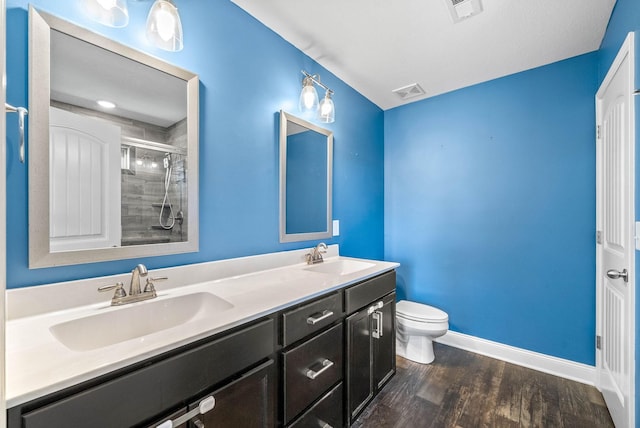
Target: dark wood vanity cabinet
[
  {"x": 364, "y": 342},
  {"x": 370, "y": 345},
  {"x": 316, "y": 364}
]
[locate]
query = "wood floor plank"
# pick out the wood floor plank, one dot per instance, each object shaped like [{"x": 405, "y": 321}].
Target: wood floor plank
[
  {"x": 484, "y": 387},
  {"x": 461, "y": 389},
  {"x": 509, "y": 398},
  {"x": 540, "y": 401}
]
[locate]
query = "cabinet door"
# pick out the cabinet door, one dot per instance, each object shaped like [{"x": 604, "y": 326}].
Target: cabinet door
[
  {"x": 384, "y": 341},
  {"x": 359, "y": 362},
  {"x": 248, "y": 402}
]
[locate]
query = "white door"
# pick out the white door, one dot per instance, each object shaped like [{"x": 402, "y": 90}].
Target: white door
[
  {"x": 84, "y": 190},
  {"x": 615, "y": 252}
]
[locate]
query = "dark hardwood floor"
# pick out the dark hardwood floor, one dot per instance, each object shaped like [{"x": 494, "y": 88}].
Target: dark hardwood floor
[{"x": 461, "y": 389}]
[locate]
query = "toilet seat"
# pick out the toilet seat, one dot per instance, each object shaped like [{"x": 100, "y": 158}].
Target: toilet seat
[{"x": 418, "y": 312}]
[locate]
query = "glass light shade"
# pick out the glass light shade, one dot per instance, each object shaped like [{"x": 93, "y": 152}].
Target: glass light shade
[
  {"x": 327, "y": 110},
  {"x": 113, "y": 13},
  {"x": 308, "y": 97},
  {"x": 164, "y": 28}
]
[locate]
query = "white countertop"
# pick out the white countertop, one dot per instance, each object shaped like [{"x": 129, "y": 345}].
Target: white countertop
[{"x": 38, "y": 364}]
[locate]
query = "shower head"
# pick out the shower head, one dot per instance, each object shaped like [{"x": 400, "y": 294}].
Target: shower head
[{"x": 167, "y": 160}]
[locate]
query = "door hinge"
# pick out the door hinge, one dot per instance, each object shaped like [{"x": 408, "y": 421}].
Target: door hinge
[
  {"x": 599, "y": 237},
  {"x": 598, "y": 342},
  {"x": 598, "y": 132}
]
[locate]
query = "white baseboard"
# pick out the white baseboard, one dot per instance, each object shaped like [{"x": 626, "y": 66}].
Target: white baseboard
[{"x": 545, "y": 363}]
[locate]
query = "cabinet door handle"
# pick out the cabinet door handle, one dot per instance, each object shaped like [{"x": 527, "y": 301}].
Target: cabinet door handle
[
  {"x": 204, "y": 406},
  {"x": 323, "y": 316},
  {"x": 377, "y": 330},
  {"x": 312, "y": 374}
]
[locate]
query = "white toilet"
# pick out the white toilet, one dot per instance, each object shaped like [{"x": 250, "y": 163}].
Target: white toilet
[{"x": 416, "y": 327}]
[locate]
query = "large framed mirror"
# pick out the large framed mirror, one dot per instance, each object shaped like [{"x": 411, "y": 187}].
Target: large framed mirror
[
  {"x": 113, "y": 149},
  {"x": 306, "y": 176}
]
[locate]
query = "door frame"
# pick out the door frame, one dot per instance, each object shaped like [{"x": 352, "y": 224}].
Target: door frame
[
  {"x": 626, "y": 50},
  {"x": 3, "y": 209}
]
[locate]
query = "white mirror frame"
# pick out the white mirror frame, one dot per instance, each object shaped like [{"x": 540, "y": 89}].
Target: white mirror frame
[
  {"x": 328, "y": 232},
  {"x": 40, "y": 26}
]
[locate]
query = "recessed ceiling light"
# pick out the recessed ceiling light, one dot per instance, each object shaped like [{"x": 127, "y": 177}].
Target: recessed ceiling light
[{"x": 106, "y": 104}]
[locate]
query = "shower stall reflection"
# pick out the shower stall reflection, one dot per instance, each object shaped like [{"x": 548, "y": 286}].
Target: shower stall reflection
[{"x": 154, "y": 195}]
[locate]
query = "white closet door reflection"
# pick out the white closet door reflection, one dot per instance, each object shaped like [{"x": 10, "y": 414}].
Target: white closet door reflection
[{"x": 85, "y": 182}]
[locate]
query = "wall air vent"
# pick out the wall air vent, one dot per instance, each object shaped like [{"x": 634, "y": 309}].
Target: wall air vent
[
  {"x": 409, "y": 91},
  {"x": 463, "y": 9}
]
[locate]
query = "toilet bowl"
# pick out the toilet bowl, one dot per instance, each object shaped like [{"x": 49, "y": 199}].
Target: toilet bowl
[{"x": 416, "y": 327}]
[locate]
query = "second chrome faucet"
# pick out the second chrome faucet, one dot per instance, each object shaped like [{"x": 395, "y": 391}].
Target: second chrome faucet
[{"x": 315, "y": 256}]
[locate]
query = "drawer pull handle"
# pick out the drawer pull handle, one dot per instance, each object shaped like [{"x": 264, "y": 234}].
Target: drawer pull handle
[
  {"x": 203, "y": 407},
  {"x": 326, "y": 364},
  {"x": 323, "y": 316}
]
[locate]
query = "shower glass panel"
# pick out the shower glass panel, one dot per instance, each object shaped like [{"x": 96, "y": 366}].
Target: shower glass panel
[{"x": 154, "y": 196}]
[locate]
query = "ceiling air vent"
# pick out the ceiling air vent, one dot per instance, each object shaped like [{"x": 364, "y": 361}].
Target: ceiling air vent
[
  {"x": 409, "y": 91},
  {"x": 463, "y": 9}
]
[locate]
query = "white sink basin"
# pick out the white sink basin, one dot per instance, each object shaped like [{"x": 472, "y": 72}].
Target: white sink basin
[
  {"x": 340, "y": 267},
  {"x": 137, "y": 320}
]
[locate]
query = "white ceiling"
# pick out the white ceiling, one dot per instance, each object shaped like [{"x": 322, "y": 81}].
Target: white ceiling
[
  {"x": 376, "y": 46},
  {"x": 82, "y": 73}
]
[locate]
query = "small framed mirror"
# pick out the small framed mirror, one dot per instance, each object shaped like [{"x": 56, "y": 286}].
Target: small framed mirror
[
  {"x": 306, "y": 176},
  {"x": 113, "y": 149}
]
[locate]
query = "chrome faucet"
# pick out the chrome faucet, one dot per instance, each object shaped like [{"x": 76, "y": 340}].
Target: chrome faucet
[
  {"x": 315, "y": 256},
  {"x": 135, "y": 294},
  {"x": 136, "y": 273}
]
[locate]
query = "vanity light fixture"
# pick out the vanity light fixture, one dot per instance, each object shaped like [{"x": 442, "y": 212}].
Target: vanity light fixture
[
  {"x": 308, "y": 96},
  {"x": 327, "y": 110},
  {"x": 113, "y": 13},
  {"x": 309, "y": 99},
  {"x": 164, "y": 28}
]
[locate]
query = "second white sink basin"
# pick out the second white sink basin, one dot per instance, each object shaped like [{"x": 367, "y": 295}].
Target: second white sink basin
[
  {"x": 340, "y": 267},
  {"x": 138, "y": 320}
]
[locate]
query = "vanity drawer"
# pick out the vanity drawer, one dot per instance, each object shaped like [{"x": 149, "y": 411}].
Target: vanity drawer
[
  {"x": 368, "y": 291},
  {"x": 308, "y": 319},
  {"x": 325, "y": 413},
  {"x": 310, "y": 370}
]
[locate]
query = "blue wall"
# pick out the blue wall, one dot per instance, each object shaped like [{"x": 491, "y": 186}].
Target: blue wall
[
  {"x": 490, "y": 207},
  {"x": 247, "y": 74}
]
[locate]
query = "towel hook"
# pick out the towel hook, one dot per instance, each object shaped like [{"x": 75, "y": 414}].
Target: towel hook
[{"x": 22, "y": 112}]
